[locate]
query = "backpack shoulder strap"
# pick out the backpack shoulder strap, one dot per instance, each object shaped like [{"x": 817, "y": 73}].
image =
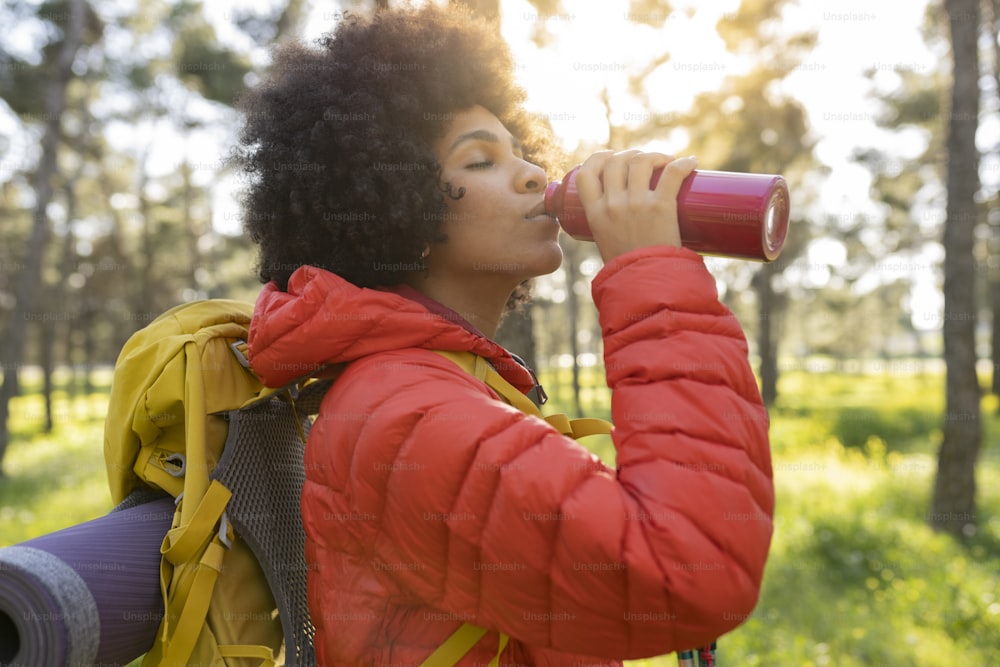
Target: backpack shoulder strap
[
  {"x": 461, "y": 642},
  {"x": 478, "y": 366},
  {"x": 467, "y": 635}
]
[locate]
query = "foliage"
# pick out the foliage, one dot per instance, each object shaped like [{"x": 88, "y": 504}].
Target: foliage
[
  {"x": 144, "y": 236},
  {"x": 54, "y": 479},
  {"x": 123, "y": 236},
  {"x": 855, "y": 577},
  {"x": 857, "y": 410}
]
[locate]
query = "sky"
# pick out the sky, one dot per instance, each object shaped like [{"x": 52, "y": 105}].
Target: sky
[
  {"x": 594, "y": 44},
  {"x": 852, "y": 37}
]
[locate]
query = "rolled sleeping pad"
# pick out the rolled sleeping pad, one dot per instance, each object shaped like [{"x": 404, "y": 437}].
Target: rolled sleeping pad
[{"x": 85, "y": 595}]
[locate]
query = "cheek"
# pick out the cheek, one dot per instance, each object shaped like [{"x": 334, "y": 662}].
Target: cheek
[
  {"x": 486, "y": 201},
  {"x": 457, "y": 192},
  {"x": 471, "y": 208}
]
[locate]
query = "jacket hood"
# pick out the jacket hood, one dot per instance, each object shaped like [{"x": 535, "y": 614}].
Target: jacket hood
[{"x": 324, "y": 320}]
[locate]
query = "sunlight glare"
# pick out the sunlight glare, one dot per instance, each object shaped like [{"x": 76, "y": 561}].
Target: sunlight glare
[{"x": 599, "y": 49}]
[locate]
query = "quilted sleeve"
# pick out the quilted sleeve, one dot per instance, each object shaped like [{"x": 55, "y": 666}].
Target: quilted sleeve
[{"x": 491, "y": 515}]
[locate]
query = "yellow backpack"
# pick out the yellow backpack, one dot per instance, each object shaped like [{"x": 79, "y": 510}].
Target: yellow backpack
[
  {"x": 177, "y": 386},
  {"x": 188, "y": 417}
]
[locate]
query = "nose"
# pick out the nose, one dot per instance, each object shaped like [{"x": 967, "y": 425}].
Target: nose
[{"x": 531, "y": 178}]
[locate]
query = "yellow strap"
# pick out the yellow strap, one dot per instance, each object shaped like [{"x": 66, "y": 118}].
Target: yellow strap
[
  {"x": 460, "y": 643},
  {"x": 579, "y": 428},
  {"x": 495, "y": 662},
  {"x": 183, "y": 543},
  {"x": 187, "y": 608},
  {"x": 463, "y": 639},
  {"x": 195, "y": 423},
  {"x": 480, "y": 368},
  {"x": 453, "y": 648},
  {"x": 250, "y": 651},
  {"x": 509, "y": 393},
  {"x": 153, "y": 655},
  {"x": 190, "y": 607},
  {"x": 188, "y": 597},
  {"x": 590, "y": 426},
  {"x": 149, "y": 466}
]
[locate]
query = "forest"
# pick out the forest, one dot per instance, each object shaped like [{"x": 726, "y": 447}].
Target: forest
[{"x": 874, "y": 334}]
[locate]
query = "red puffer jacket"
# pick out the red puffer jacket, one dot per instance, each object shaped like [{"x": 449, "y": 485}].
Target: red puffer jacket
[{"x": 429, "y": 502}]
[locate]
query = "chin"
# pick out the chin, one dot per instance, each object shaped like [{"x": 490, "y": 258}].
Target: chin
[{"x": 551, "y": 262}]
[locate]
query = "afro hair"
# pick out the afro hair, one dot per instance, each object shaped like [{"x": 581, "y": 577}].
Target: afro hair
[{"x": 336, "y": 139}]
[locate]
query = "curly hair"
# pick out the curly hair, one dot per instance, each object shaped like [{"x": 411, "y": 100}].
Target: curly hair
[{"x": 336, "y": 140}]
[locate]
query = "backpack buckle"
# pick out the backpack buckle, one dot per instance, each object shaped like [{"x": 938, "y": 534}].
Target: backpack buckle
[{"x": 239, "y": 348}]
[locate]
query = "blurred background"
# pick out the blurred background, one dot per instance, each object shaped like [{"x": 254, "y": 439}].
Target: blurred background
[{"x": 872, "y": 335}]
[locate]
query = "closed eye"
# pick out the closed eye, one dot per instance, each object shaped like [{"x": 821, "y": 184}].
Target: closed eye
[{"x": 484, "y": 164}]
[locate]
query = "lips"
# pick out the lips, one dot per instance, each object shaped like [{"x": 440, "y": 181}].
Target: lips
[{"x": 537, "y": 211}]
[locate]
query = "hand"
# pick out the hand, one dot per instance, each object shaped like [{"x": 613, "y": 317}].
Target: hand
[{"x": 622, "y": 211}]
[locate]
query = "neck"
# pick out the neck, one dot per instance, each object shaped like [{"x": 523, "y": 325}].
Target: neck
[{"x": 482, "y": 308}]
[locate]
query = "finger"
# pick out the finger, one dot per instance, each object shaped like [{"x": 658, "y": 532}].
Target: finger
[
  {"x": 674, "y": 174},
  {"x": 616, "y": 177},
  {"x": 616, "y": 171},
  {"x": 588, "y": 178},
  {"x": 641, "y": 172}
]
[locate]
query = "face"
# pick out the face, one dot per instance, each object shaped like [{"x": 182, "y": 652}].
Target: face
[{"x": 496, "y": 232}]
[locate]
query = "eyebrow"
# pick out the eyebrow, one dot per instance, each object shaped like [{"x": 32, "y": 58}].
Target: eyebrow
[{"x": 482, "y": 135}]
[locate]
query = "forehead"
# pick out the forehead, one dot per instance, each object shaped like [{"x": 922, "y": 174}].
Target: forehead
[{"x": 476, "y": 123}]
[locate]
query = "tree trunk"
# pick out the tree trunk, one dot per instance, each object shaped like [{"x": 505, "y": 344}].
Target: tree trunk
[
  {"x": 993, "y": 242},
  {"x": 61, "y": 331},
  {"x": 953, "y": 507},
  {"x": 145, "y": 303},
  {"x": 516, "y": 333},
  {"x": 571, "y": 260},
  {"x": 766, "y": 340},
  {"x": 26, "y": 289},
  {"x": 192, "y": 228},
  {"x": 126, "y": 261},
  {"x": 994, "y": 296},
  {"x": 47, "y": 354},
  {"x": 89, "y": 344}
]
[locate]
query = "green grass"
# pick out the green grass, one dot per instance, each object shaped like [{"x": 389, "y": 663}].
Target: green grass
[
  {"x": 855, "y": 576},
  {"x": 53, "y": 480}
]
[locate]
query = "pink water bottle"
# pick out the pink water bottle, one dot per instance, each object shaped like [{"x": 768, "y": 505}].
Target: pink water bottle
[{"x": 729, "y": 214}]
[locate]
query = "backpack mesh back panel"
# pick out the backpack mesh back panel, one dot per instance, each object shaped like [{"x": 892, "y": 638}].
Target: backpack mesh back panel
[{"x": 262, "y": 464}]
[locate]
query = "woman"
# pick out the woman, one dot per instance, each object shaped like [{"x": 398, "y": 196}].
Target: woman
[{"x": 395, "y": 195}]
